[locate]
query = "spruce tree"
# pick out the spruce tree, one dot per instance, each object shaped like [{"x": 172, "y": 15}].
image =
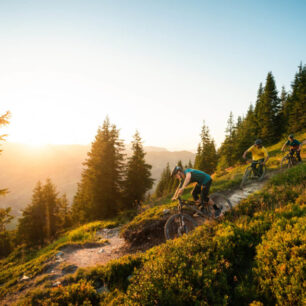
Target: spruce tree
[
  {"x": 52, "y": 211},
  {"x": 41, "y": 220},
  {"x": 206, "y": 158},
  {"x": 99, "y": 194},
  {"x": 64, "y": 212},
  {"x": 163, "y": 182},
  {"x": 32, "y": 224},
  {"x": 269, "y": 115},
  {"x": 296, "y": 103},
  {"x": 138, "y": 175}
]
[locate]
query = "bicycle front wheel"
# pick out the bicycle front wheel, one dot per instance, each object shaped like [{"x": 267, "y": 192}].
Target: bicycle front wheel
[
  {"x": 246, "y": 176},
  {"x": 221, "y": 201},
  {"x": 285, "y": 162},
  {"x": 264, "y": 170},
  {"x": 178, "y": 225}
]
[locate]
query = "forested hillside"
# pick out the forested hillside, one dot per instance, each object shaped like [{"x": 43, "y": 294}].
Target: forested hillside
[{"x": 23, "y": 166}]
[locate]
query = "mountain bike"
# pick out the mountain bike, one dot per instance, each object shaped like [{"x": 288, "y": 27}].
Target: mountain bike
[
  {"x": 184, "y": 222},
  {"x": 288, "y": 161},
  {"x": 251, "y": 175}
]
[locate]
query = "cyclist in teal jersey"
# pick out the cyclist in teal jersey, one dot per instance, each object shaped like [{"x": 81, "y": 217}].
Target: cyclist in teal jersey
[
  {"x": 295, "y": 147},
  {"x": 202, "y": 187}
]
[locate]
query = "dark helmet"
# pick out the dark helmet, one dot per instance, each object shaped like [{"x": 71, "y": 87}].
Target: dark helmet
[
  {"x": 291, "y": 136},
  {"x": 258, "y": 142},
  {"x": 175, "y": 170}
]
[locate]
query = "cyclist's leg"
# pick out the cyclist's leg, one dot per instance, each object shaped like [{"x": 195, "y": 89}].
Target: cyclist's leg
[
  {"x": 253, "y": 165},
  {"x": 260, "y": 167},
  {"x": 196, "y": 191},
  {"x": 205, "y": 192},
  {"x": 298, "y": 155}
]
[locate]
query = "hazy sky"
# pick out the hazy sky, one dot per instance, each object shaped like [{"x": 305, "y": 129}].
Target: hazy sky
[{"x": 161, "y": 67}]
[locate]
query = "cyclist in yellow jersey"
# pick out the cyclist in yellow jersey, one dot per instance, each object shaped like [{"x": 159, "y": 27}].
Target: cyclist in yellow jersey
[{"x": 259, "y": 156}]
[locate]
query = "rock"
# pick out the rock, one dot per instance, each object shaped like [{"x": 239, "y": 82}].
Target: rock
[
  {"x": 24, "y": 278},
  {"x": 166, "y": 211},
  {"x": 60, "y": 253},
  {"x": 102, "y": 289},
  {"x": 56, "y": 284},
  {"x": 69, "y": 269},
  {"x": 101, "y": 251},
  {"x": 59, "y": 259}
]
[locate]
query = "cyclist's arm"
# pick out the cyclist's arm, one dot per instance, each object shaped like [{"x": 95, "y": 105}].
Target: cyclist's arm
[
  {"x": 245, "y": 153},
  {"x": 186, "y": 181},
  {"x": 176, "y": 192},
  {"x": 283, "y": 147}
]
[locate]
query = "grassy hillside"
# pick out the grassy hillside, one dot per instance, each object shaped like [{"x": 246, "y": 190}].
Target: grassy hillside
[
  {"x": 255, "y": 255},
  {"x": 140, "y": 228},
  {"x": 34, "y": 262},
  {"x": 247, "y": 257}
]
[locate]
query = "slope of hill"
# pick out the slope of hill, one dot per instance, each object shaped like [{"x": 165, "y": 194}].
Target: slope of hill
[
  {"x": 23, "y": 166},
  {"x": 250, "y": 256}
]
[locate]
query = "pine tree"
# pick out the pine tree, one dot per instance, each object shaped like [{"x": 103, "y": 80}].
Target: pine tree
[
  {"x": 32, "y": 224},
  {"x": 99, "y": 194},
  {"x": 227, "y": 148},
  {"x": 206, "y": 158},
  {"x": 296, "y": 103},
  {"x": 52, "y": 213},
  {"x": 64, "y": 212},
  {"x": 269, "y": 115},
  {"x": 40, "y": 221},
  {"x": 258, "y": 110},
  {"x": 162, "y": 185},
  {"x": 138, "y": 175}
]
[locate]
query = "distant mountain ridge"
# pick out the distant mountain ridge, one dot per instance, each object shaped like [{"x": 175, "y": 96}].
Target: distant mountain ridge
[{"x": 22, "y": 166}]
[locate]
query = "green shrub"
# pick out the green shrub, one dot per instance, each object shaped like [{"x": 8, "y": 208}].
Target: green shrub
[
  {"x": 81, "y": 293},
  {"x": 281, "y": 259}
]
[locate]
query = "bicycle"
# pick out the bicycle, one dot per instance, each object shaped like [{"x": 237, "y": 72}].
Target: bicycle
[
  {"x": 182, "y": 222},
  {"x": 250, "y": 175},
  {"x": 288, "y": 161}
]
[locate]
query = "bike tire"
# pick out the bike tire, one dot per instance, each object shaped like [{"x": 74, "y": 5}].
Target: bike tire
[
  {"x": 264, "y": 171},
  {"x": 246, "y": 176},
  {"x": 285, "y": 162},
  {"x": 172, "y": 226},
  {"x": 221, "y": 201}
]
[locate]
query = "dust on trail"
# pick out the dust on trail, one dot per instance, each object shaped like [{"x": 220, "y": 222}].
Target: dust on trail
[
  {"x": 86, "y": 257},
  {"x": 240, "y": 194}
]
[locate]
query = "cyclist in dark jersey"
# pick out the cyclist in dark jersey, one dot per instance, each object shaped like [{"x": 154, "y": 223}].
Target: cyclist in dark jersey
[
  {"x": 295, "y": 147},
  {"x": 202, "y": 187}
]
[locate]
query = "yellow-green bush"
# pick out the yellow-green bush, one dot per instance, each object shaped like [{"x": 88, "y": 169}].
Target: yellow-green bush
[{"x": 281, "y": 259}]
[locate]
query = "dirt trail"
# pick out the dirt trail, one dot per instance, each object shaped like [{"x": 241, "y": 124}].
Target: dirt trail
[
  {"x": 85, "y": 257},
  {"x": 243, "y": 193}
]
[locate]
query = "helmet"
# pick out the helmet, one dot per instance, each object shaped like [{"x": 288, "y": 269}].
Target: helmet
[
  {"x": 258, "y": 142},
  {"x": 175, "y": 170},
  {"x": 291, "y": 136}
]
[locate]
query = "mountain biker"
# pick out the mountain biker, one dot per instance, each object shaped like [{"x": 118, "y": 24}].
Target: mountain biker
[
  {"x": 295, "y": 147},
  {"x": 259, "y": 156},
  {"x": 202, "y": 187}
]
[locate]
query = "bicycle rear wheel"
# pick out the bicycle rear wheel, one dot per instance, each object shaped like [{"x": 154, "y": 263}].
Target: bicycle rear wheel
[
  {"x": 221, "y": 201},
  {"x": 177, "y": 225}
]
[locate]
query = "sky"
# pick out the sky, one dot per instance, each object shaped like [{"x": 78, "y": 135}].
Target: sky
[{"x": 158, "y": 66}]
